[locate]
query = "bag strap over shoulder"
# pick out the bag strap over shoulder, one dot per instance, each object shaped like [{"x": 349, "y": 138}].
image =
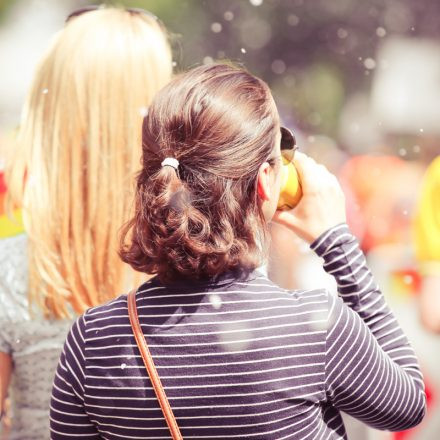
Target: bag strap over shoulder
[{"x": 151, "y": 369}]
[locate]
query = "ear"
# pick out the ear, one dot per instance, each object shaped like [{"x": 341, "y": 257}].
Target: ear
[{"x": 263, "y": 182}]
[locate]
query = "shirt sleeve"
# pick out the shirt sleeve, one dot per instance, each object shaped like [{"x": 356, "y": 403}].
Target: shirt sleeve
[
  {"x": 68, "y": 418},
  {"x": 372, "y": 372}
]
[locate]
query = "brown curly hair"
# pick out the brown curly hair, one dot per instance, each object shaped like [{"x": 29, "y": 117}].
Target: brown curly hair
[{"x": 204, "y": 219}]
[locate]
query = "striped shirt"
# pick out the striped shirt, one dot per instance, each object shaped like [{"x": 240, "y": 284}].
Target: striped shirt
[{"x": 243, "y": 359}]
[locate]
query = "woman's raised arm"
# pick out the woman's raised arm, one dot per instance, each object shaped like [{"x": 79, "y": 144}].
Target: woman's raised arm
[{"x": 372, "y": 372}]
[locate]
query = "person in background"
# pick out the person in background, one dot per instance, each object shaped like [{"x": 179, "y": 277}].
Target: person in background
[
  {"x": 71, "y": 173},
  {"x": 238, "y": 356},
  {"x": 427, "y": 246}
]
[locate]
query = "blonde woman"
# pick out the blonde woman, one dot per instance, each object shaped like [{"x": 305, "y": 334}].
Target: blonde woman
[{"x": 78, "y": 147}]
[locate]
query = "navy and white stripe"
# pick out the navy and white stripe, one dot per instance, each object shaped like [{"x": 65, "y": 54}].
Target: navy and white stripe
[{"x": 243, "y": 359}]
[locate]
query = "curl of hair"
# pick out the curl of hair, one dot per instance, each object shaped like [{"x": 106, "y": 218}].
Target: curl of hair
[{"x": 174, "y": 236}]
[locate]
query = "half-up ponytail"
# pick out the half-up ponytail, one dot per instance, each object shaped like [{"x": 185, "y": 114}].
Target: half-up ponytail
[{"x": 203, "y": 219}]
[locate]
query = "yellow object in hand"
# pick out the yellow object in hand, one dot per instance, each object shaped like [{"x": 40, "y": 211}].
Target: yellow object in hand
[{"x": 291, "y": 191}]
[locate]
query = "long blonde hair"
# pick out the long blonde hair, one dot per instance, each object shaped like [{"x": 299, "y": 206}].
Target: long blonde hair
[{"x": 78, "y": 147}]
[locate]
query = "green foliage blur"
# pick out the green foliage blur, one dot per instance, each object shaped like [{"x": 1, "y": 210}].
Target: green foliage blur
[
  {"x": 313, "y": 53},
  {"x": 4, "y": 6}
]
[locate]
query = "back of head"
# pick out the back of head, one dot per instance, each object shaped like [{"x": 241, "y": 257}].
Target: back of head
[
  {"x": 78, "y": 146},
  {"x": 220, "y": 123}
]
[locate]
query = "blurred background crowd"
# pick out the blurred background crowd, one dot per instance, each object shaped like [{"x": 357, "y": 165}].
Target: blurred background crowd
[{"x": 357, "y": 81}]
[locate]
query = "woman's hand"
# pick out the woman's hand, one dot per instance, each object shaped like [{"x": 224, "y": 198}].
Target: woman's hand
[{"x": 322, "y": 205}]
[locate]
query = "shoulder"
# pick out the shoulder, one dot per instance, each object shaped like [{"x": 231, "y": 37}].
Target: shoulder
[
  {"x": 302, "y": 305},
  {"x": 105, "y": 317},
  {"x": 96, "y": 322},
  {"x": 263, "y": 284},
  {"x": 104, "y": 313},
  {"x": 13, "y": 276}
]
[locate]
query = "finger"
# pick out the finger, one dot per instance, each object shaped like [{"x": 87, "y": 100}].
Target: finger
[
  {"x": 312, "y": 175},
  {"x": 304, "y": 165}
]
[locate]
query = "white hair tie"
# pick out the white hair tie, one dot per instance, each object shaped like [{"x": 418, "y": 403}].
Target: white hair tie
[{"x": 170, "y": 162}]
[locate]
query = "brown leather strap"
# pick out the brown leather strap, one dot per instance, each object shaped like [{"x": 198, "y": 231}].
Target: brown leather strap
[{"x": 149, "y": 365}]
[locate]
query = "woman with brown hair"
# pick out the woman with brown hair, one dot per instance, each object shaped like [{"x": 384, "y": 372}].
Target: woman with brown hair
[{"x": 238, "y": 356}]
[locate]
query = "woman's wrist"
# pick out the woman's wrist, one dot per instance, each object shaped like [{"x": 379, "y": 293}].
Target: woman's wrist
[{"x": 331, "y": 238}]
